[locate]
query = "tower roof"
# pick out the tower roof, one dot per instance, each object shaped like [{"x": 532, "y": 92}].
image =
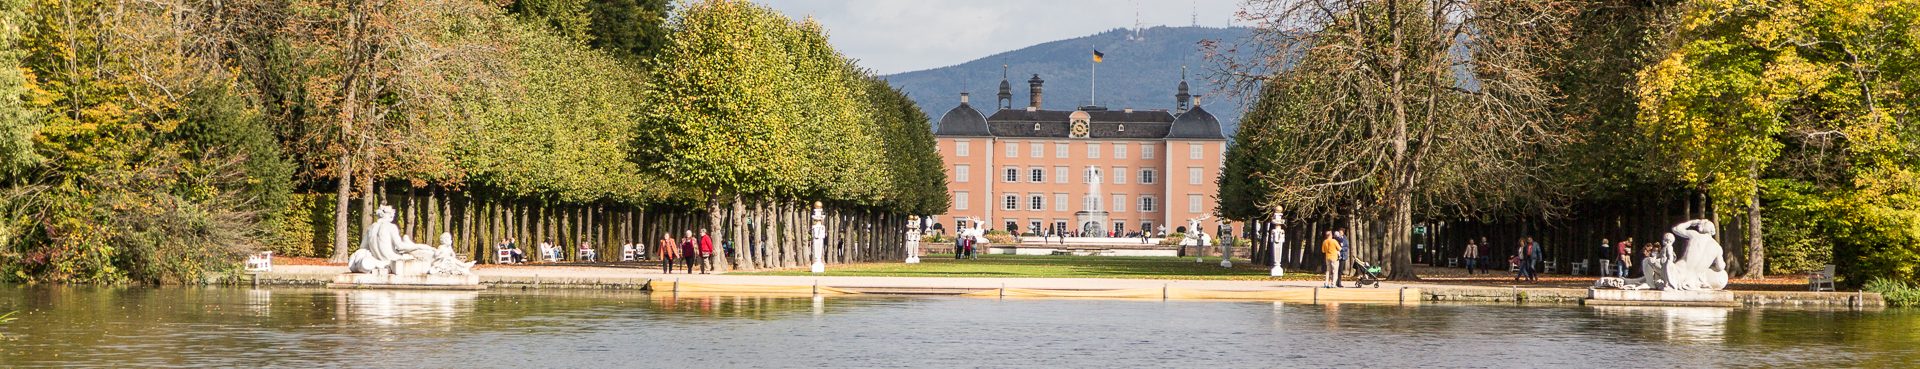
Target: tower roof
[
  {"x": 962, "y": 121},
  {"x": 1196, "y": 123}
]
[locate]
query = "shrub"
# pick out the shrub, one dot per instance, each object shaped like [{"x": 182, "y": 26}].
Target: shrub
[{"x": 1897, "y": 293}]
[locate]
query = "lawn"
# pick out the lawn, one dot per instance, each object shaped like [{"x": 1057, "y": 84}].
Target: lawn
[{"x": 1024, "y": 266}]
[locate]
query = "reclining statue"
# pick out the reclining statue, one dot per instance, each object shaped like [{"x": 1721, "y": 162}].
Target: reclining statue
[
  {"x": 1701, "y": 267},
  {"x": 383, "y": 250}
]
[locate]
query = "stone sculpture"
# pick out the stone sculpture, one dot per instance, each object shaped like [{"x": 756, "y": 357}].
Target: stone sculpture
[
  {"x": 383, "y": 250},
  {"x": 1701, "y": 267}
]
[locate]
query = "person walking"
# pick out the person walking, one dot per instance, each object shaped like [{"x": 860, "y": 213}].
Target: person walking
[
  {"x": 1520, "y": 261},
  {"x": 706, "y": 251},
  {"x": 668, "y": 251},
  {"x": 1624, "y": 252},
  {"x": 1340, "y": 235},
  {"x": 1537, "y": 258},
  {"x": 689, "y": 250},
  {"x": 1331, "y": 248},
  {"x": 1486, "y": 255},
  {"x": 1472, "y": 256},
  {"x": 960, "y": 245}
]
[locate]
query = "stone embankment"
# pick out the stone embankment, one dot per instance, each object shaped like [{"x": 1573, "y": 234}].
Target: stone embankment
[{"x": 585, "y": 277}]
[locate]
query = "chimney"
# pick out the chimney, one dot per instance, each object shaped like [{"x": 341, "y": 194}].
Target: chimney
[
  {"x": 963, "y": 98},
  {"x": 1034, "y": 92}
]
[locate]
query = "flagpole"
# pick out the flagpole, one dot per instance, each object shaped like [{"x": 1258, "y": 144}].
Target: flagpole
[{"x": 1093, "y": 80}]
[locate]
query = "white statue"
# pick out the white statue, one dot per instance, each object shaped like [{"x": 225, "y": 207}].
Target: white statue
[
  {"x": 913, "y": 239},
  {"x": 445, "y": 262},
  {"x": 1195, "y": 237},
  {"x": 1702, "y": 267},
  {"x": 383, "y": 250},
  {"x": 819, "y": 230}
]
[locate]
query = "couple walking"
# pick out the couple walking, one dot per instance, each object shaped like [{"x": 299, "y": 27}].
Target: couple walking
[
  {"x": 689, "y": 249},
  {"x": 1335, "y": 247}
]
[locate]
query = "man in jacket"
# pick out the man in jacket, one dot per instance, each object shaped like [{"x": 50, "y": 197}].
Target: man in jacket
[
  {"x": 1331, "y": 248},
  {"x": 1340, "y": 236},
  {"x": 706, "y": 252}
]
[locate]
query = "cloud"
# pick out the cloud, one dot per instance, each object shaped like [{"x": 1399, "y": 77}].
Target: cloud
[{"x": 892, "y": 36}]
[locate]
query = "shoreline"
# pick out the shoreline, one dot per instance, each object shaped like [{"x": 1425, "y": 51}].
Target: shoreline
[{"x": 637, "y": 278}]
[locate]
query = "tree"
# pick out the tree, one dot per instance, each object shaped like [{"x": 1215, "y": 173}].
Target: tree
[
  {"x": 1743, "y": 80},
  {"x": 1402, "y": 104}
]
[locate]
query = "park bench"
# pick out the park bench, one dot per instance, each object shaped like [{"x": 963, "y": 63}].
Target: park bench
[
  {"x": 1581, "y": 267},
  {"x": 1453, "y": 262},
  {"x": 504, "y": 256},
  {"x": 1552, "y": 266},
  {"x": 586, "y": 254},
  {"x": 1821, "y": 280},
  {"x": 260, "y": 263},
  {"x": 630, "y": 253}
]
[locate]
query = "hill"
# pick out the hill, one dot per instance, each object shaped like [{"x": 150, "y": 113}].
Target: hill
[{"x": 1137, "y": 73}]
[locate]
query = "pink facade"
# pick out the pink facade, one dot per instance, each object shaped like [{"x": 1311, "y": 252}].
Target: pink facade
[{"x": 1033, "y": 168}]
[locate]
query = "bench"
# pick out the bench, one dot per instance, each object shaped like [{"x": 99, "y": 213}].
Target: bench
[
  {"x": 1551, "y": 266},
  {"x": 1581, "y": 268},
  {"x": 630, "y": 253},
  {"x": 1453, "y": 262},
  {"x": 504, "y": 256},
  {"x": 1821, "y": 280},
  {"x": 586, "y": 254},
  {"x": 260, "y": 263}
]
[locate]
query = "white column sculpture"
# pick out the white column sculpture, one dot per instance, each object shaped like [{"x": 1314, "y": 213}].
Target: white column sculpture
[
  {"x": 819, "y": 239},
  {"x": 1279, "y": 231},
  {"x": 913, "y": 239}
]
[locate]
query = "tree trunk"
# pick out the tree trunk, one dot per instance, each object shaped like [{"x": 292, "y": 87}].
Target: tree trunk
[
  {"x": 1756, "y": 244},
  {"x": 342, "y": 195}
]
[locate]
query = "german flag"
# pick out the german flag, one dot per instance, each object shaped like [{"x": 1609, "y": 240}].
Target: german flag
[{"x": 1097, "y": 56}]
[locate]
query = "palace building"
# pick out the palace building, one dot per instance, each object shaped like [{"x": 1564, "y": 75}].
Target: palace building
[{"x": 1090, "y": 171}]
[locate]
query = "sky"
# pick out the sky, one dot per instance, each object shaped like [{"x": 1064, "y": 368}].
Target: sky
[{"x": 893, "y": 36}]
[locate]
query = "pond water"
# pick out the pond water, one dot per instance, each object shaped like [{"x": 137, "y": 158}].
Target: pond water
[{"x": 241, "y": 327}]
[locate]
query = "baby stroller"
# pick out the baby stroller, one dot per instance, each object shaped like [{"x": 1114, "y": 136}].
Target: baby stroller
[{"x": 1366, "y": 274}]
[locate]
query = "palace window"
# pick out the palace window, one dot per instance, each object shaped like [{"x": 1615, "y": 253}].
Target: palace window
[
  {"x": 1013, "y": 149},
  {"x": 1093, "y": 150},
  {"x": 1120, "y": 203},
  {"x": 1193, "y": 203},
  {"x": 1119, "y": 151},
  {"x": 960, "y": 200},
  {"x": 1194, "y": 151},
  {"x": 1059, "y": 202},
  {"x": 1120, "y": 175},
  {"x": 1037, "y": 203},
  {"x": 1013, "y": 174},
  {"x": 962, "y": 173},
  {"x": 1013, "y": 202},
  {"x": 1038, "y": 175},
  {"x": 1146, "y": 204},
  {"x": 1038, "y": 150},
  {"x": 1146, "y": 151},
  {"x": 962, "y": 148},
  {"x": 1193, "y": 175},
  {"x": 1060, "y": 175},
  {"x": 1060, "y": 151},
  {"x": 1146, "y": 176}
]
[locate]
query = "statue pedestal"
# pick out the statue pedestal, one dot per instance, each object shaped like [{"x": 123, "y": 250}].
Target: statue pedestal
[
  {"x": 1660, "y": 298},
  {"x": 415, "y": 282}
]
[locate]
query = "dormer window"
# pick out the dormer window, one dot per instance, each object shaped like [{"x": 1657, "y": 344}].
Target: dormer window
[
  {"x": 1036, "y": 126},
  {"x": 1121, "y": 128}
]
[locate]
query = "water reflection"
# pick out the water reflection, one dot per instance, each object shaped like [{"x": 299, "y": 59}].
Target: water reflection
[
  {"x": 436, "y": 309},
  {"x": 1678, "y": 324},
  {"x": 230, "y": 327}
]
